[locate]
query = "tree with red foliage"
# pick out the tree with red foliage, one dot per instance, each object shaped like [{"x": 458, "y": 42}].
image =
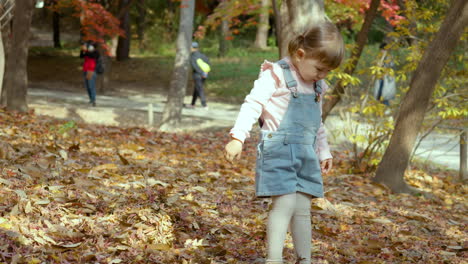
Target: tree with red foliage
[
  {"x": 97, "y": 23},
  {"x": 389, "y": 9}
]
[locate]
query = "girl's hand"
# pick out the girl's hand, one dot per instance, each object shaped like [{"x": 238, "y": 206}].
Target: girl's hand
[
  {"x": 326, "y": 165},
  {"x": 233, "y": 150}
]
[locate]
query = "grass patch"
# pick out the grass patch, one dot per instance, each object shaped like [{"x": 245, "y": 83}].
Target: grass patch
[{"x": 232, "y": 77}]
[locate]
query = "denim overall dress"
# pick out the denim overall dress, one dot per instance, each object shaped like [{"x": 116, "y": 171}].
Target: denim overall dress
[{"x": 286, "y": 158}]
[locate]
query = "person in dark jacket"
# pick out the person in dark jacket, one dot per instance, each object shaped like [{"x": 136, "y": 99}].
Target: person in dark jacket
[
  {"x": 90, "y": 55},
  {"x": 199, "y": 75}
]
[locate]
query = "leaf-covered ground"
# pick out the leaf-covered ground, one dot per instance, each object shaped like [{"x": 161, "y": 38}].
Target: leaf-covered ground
[{"x": 91, "y": 194}]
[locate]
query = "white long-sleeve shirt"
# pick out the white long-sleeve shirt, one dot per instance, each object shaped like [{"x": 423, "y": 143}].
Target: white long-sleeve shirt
[{"x": 269, "y": 99}]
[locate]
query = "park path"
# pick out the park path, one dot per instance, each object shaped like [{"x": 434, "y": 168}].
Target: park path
[{"x": 131, "y": 109}]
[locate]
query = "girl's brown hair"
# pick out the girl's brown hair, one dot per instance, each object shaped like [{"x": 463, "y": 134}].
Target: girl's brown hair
[{"x": 322, "y": 42}]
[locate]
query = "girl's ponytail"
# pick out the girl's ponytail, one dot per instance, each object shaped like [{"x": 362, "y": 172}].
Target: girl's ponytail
[{"x": 295, "y": 44}]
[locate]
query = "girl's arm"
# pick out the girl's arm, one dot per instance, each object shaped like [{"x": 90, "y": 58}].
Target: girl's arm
[
  {"x": 323, "y": 150},
  {"x": 252, "y": 108},
  {"x": 249, "y": 113}
]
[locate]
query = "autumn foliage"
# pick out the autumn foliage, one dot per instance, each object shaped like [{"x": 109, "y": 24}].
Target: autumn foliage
[
  {"x": 92, "y": 194},
  {"x": 97, "y": 24},
  {"x": 389, "y": 8},
  {"x": 341, "y": 11}
]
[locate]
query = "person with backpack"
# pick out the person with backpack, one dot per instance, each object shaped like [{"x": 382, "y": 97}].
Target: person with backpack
[
  {"x": 201, "y": 67},
  {"x": 91, "y": 58}
]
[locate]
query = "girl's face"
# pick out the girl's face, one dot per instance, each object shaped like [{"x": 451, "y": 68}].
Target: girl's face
[{"x": 311, "y": 70}]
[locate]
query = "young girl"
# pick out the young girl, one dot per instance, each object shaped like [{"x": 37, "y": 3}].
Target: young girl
[{"x": 293, "y": 149}]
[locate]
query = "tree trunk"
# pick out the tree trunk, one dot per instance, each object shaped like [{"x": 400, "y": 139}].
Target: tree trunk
[
  {"x": 278, "y": 24},
  {"x": 16, "y": 75},
  {"x": 2, "y": 62},
  {"x": 140, "y": 21},
  {"x": 123, "y": 46},
  {"x": 411, "y": 115},
  {"x": 262, "y": 28},
  {"x": 6, "y": 41},
  {"x": 113, "y": 46},
  {"x": 296, "y": 17},
  {"x": 103, "y": 79},
  {"x": 56, "y": 29},
  {"x": 361, "y": 40},
  {"x": 172, "y": 114},
  {"x": 223, "y": 42}
]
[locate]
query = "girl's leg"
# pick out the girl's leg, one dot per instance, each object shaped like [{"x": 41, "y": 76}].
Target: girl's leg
[
  {"x": 301, "y": 228},
  {"x": 278, "y": 220}
]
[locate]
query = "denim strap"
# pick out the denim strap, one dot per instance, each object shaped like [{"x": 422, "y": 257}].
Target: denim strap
[{"x": 291, "y": 83}]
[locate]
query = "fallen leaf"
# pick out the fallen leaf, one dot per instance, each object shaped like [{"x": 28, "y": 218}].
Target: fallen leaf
[
  {"x": 109, "y": 166},
  {"x": 63, "y": 154},
  {"x": 6, "y": 182},
  {"x": 153, "y": 182},
  {"x": 71, "y": 245},
  {"x": 42, "y": 202},
  {"x": 21, "y": 194},
  {"x": 158, "y": 247},
  {"x": 447, "y": 253},
  {"x": 381, "y": 220}
]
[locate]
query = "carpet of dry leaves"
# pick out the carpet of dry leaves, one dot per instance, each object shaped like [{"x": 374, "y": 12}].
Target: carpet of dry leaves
[{"x": 95, "y": 194}]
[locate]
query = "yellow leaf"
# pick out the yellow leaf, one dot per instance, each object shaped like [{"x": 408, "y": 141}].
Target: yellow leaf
[
  {"x": 4, "y": 223},
  {"x": 28, "y": 208},
  {"x": 34, "y": 261},
  {"x": 109, "y": 166},
  {"x": 448, "y": 201},
  {"x": 39, "y": 239},
  {"x": 158, "y": 247},
  {"x": 344, "y": 227},
  {"x": 49, "y": 239}
]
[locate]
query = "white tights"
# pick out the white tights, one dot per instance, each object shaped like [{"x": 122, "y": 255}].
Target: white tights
[{"x": 294, "y": 210}]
